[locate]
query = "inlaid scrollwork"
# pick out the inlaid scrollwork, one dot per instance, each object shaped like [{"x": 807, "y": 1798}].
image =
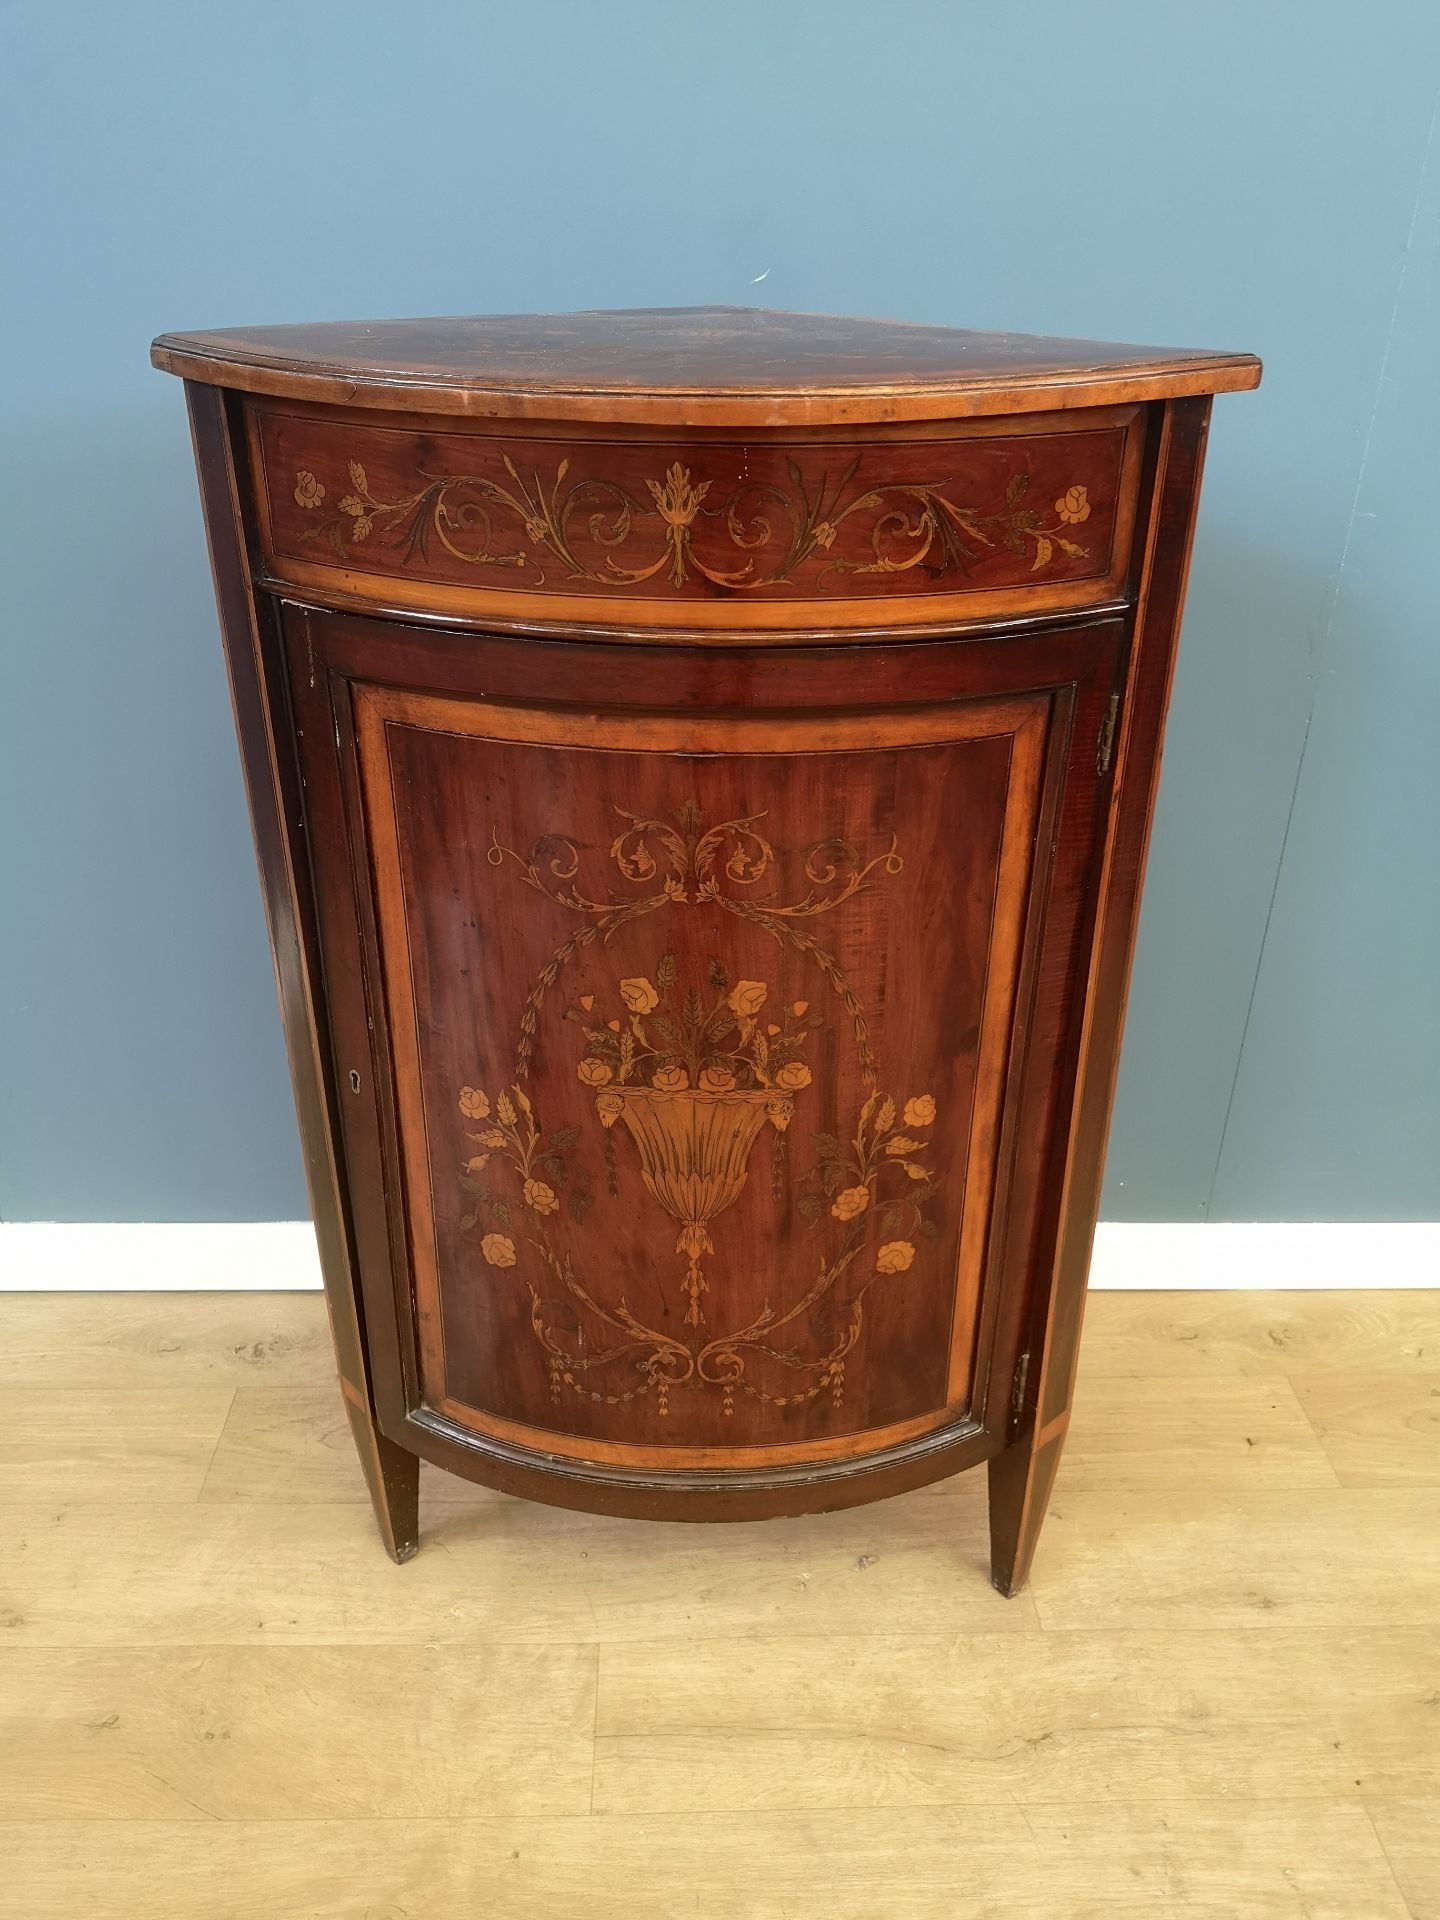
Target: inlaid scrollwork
[
  {"x": 759, "y": 534},
  {"x": 691, "y": 1074}
]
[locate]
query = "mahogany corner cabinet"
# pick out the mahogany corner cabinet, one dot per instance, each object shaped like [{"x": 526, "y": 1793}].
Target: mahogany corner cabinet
[{"x": 701, "y": 764}]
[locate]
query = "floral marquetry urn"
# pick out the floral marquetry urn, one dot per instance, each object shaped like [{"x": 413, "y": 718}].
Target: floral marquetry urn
[{"x": 701, "y": 764}]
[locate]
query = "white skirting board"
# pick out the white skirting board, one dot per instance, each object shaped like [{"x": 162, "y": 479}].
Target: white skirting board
[{"x": 279, "y": 1256}]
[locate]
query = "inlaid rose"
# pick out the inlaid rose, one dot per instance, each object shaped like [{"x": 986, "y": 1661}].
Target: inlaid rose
[
  {"x": 540, "y": 1197},
  {"x": 1073, "y": 506},
  {"x": 716, "y": 1079},
  {"x": 473, "y": 1104},
  {"x": 746, "y": 997},
  {"x": 639, "y": 996},
  {"x": 894, "y": 1257},
  {"x": 670, "y": 1080},
  {"x": 593, "y": 1072},
  {"x": 498, "y": 1249},
  {"x": 308, "y": 490},
  {"x": 850, "y": 1203},
  {"x": 793, "y": 1075},
  {"x": 920, "y": 1112}
]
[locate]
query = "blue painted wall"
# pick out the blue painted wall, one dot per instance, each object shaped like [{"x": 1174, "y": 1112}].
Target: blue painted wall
[{"x": 1236, "y": 175}]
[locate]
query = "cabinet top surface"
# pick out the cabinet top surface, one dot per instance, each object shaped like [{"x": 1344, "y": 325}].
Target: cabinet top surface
[{"x": 721, "y": 366}]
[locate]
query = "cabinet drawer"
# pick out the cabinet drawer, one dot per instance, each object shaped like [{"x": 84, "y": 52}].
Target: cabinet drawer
[{"x": 991, "y": 519}]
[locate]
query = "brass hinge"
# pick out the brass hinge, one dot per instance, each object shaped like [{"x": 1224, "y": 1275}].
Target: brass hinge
[
  {"x": 1017, "y": 1392},
  {"x": 1105, "y": 745}
]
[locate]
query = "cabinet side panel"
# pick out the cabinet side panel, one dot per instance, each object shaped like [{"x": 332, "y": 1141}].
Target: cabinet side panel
[
  {"x": 254, "y": 665},
  {"x": 1136, "y": 773}
]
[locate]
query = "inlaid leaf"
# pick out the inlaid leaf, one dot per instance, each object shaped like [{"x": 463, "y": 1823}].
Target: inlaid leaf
[
  {"x": 1016, "y": 488},
  {"x": 666, "y": 972},
  {"x": 719, "y": 975},
  {"x": 1043, "y": 550}
]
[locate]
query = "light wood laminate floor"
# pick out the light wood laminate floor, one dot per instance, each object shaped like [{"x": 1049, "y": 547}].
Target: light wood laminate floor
[{"x": 1219, "y": 1699}]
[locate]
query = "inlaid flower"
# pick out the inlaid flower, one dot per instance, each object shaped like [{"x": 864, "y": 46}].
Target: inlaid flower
[
  {"x": 638, "y": 995},
  {"x": 594, "y": 1072},
  {"x": 746, "y": 997},
  {"x": 800, "y": 1006},
  {"x": 894, "y": 1257},
  {"x": 678, "y": 500},
  {"x": 535, "y": 530},
  {"x": 1073, "y": 506},
  {"x": 915, "y": 1172},
  {"x": 540, "y": 1198},
  {"x": 792, "y": 1076},
  {"x": 920, "y": 1112},
  {"x": 670, "y": 1080},
  {"x": 716, "y": 1079},
  {"x": 498, "y": 1249},
  {"x": 478, "y": 1163},
  {"x": 823, "y": 533},
  {"x": 308, "y": 490},
  {"x": 473, "y": 1104},
  {"x": 850, "y": 1203}
]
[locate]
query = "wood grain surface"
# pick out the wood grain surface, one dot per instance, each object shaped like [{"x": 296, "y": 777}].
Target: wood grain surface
[
  {"x": 1218, "y": 1699},
  {"x": 689, "y": 366}
]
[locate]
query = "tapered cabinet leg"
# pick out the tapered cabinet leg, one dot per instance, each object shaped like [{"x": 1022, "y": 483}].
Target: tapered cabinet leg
[
  {"x": 393, "y": 1477},
  {"x": 1021, "y": 1479}
]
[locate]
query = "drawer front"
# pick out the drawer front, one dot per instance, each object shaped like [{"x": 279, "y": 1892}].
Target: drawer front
[
  {"x": 710, "y": 1051},
  {"x": 779, "y": 531}
]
